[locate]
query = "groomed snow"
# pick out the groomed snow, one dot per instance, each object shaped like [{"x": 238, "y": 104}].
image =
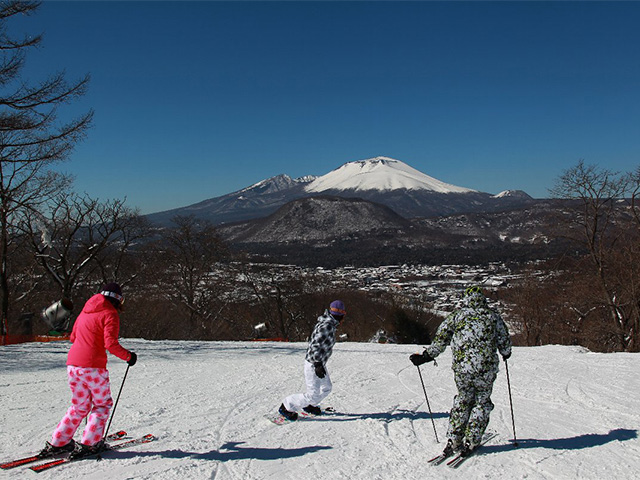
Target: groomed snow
[
  {"x": 577, "y": 414},
  {"x": 380, "y": 173}
]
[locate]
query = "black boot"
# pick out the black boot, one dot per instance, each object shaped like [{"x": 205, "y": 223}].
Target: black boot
[
  {"x": 82, "y": 450},
  {"x": 466, "y": 449},
  {"x": 450, "y": 449},
  {"x": 50, "y": 450},
  {"x": 287, "y": 414},
  {"x": 313, "y": 410}
]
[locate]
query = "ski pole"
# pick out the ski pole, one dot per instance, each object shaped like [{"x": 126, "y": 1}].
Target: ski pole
[
  {"x": 513, "y": 422},
  {"x": 428, "y": 405},
  {"x": 106, "y": 432}
]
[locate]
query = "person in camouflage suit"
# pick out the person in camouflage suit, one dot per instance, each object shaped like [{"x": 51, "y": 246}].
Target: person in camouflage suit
[{"x": 476, "y": 333}]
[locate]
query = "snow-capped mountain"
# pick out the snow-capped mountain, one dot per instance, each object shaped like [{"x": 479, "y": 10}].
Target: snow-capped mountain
[
  {"x": 255, "y": 201},
  {"x": 513, "y": 194},
  {"x": 274, "y": 185},
  {"x": 393, "y": 183},
  {"x": 381, "y": 174}
]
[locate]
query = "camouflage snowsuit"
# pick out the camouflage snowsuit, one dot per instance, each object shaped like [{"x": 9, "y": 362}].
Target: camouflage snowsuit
[{"x": 475, "y": 333}]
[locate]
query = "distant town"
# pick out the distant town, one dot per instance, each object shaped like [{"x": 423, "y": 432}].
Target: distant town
[{"x": 437, "y": 286}]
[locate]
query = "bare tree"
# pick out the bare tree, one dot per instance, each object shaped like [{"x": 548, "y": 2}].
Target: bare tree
[
  {"x": 72, "y": 240},
  {"x": 603, "y": 231},
  {"x": 122, "y": 260},
  {"x": 283, "y": 302},
  {"x": 32, "y": 137},
  {"x": 193, "y": 251},
  {"x": 635, "y": 195}
]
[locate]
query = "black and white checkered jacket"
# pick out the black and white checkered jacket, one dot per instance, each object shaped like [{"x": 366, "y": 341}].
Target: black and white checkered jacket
[{"x": 323, "y": 338}]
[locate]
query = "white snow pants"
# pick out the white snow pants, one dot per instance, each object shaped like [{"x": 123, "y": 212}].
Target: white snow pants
[{"x": 317, "y": 390}]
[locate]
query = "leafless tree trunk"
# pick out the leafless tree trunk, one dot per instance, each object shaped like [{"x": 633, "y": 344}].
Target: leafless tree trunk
[
  {"x": 76, "y": 232},
  {"x": 193, "y": 251},
  {"x": 635, "y": 196},
  {"x": 32, "y": 137},
  {"x": 635, "y": 208},
  {"x": 284, "y": 303},
  {"x": 122, "y": 260},
  {"x": 601, "y": 194}
]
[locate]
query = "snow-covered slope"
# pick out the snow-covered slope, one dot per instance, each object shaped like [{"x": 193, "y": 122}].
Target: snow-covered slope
[
  {"x": 258, "y": 200},
  {"x": 381, "y": 174},
  {"x": 273, "y": 185},
  {"x": 577, "y": 414},
  {"x": 513, "y": 194}
]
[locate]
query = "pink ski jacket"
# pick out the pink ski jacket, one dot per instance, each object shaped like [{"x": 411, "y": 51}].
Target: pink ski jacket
[{"x": 96, "y": 330}]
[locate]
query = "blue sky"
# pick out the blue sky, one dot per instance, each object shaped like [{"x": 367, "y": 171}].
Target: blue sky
[{"x": 194, "y": 100}]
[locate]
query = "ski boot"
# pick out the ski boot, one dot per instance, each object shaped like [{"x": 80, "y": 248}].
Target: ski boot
[
  {"x": 467, "y": 449},
  {"x": 312, "y": 410},
  {"x": 82, "y": 450},
  {"x": 51, "y": 450},
  {"x": 292, "y": 416},
  {"x": 450, "y": 448}
]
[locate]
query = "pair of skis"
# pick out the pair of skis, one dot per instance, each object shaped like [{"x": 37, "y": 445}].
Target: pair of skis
[
  {"x": 35, "y": 458},
  {"x": 61, "y": 461},
  {"x": 454, "y": 461}
]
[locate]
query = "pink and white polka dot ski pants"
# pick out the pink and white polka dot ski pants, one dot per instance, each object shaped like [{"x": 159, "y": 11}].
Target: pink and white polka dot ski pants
[{"x": 90, "y": 395}]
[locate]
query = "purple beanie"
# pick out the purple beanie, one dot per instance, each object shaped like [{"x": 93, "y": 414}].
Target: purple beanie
[{"x": 337, "y": 308}]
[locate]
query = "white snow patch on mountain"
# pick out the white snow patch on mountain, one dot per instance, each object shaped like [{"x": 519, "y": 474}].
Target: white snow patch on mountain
[
  {"x": 512, "y": 194},
  {"x": 577, "y": 414},
  {"x": 380, "y": 173},
  {"x": 277, "y": 183}
]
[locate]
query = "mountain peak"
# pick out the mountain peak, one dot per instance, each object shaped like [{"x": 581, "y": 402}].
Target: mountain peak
[
  {"x": 514, "y": 194},
  {"x": 275, "y": 184},
  {"x": 382, "y": 174}
]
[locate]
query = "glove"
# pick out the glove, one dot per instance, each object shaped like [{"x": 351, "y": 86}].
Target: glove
[
  {"x": 132, "y": 361},
  {"x": 419, "y": 358},
  {"x": 506, "y": 357},
  {"x": 320, "y": 371}
]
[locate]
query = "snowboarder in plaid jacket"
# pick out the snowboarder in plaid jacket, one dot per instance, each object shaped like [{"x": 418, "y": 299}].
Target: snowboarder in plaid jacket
[
  {"x": 316, "y": 375},
  {"x": 476, "y": 333}
]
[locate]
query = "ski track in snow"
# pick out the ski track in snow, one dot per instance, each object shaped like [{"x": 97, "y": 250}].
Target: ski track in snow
[{"x": 577, "y": 414}]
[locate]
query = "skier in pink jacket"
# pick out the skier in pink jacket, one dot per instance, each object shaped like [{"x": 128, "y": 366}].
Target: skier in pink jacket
[{"x": 95, "y": 331}]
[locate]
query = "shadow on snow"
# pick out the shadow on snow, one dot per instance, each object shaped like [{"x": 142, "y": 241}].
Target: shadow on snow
[
  {"x": 228, "y": 452},
  {"x": 384, "y": 416},
  {"x": 580, "y": 442}
]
